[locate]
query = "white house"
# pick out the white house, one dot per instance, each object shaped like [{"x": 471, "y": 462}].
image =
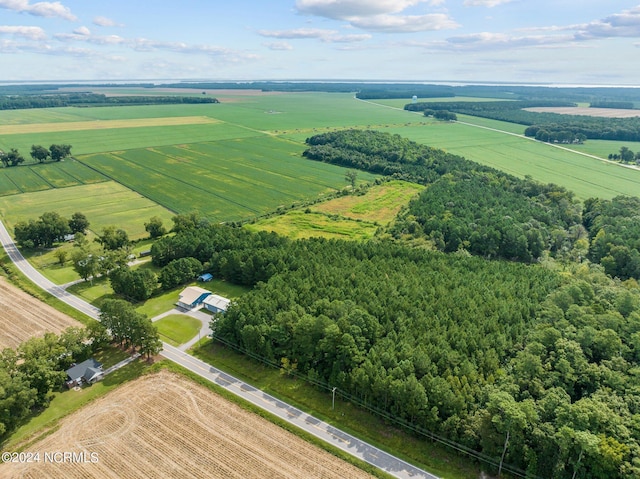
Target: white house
[
  {"x": 216, "y": 304},
  {"x": 192, "y": 297}
]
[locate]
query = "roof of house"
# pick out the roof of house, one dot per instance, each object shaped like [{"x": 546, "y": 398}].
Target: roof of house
[
  {"x": 217, "y": 301},
  {"x": 80, "y": 370},
  {"x": 205, "y": 277},
  {"x": 191, "y": 294}
]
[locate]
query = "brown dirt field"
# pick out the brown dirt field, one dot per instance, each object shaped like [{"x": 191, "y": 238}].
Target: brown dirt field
[
  {"x": 599, "y": 112},
  {"x": 105, "y": 124},
  {"x": 165, "y": 426},
  {"x": 22, "y": 317}
]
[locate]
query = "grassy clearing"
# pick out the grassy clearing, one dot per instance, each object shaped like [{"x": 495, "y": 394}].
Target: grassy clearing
[
  {"x": 68, "y": 401},
  {"x": 214, "y": 178},
  {"x": 298, "y": 224},
  {"x": 106, "y": 203},
  {"x": 355, "y": 217},
  {"x": 345, "y": 416},
  {"x": 380, "y": 203},
  {"x": 94, "y": 291},
  {"x": 177, "y": 329}
]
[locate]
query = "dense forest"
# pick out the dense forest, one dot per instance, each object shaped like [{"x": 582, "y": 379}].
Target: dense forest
[
  {"x": 533, "y": 360},
  {"x": 477, "y": 351},
  {"x": 543, "y": 126},
  {"x": 19, "y": 102},
  {"x": 487, "y": 212}
]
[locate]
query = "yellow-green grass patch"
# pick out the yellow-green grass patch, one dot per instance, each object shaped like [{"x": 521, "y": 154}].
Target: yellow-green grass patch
[
  {"x": 106, "y": 203},
  {"x": 381, "y": 203},
  {"x": 298, "y": 224},
  {"x": 177, "y": 329},
  {"x": 105, "y": 124}
]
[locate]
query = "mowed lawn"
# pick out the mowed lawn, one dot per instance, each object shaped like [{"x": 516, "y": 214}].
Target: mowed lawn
[
  {"x": 223, "y": 180},
  {"x": 105, "y": 203},
  {"x": 177, "y": 329}
]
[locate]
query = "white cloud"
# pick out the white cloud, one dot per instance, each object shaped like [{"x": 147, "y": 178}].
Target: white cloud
[
  {"x": 40, "y": 9},
  {"x": 105, "y": 22},
  {"x": 82, "y": 31},
  {"x": 279, "y": 46},
  {"x": 32, "y": 33},
  {"x": 625, "y": 24},
  {"x": 345, "y": 9},
  {"x": 297, "y": 33},
  {"x": 328, "y": 36},
  {"x": 405, "y": 23},
  {"x": 378, "y": 15},
  {"x": 485, "y": 3}
]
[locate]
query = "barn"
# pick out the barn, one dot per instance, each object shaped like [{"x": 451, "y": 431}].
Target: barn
[
  {"x": 192, "y": 297},
  {"x": 216, "y": 304}
]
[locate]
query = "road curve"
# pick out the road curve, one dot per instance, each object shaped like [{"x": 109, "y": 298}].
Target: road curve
[{"x": 392, "y": 465}]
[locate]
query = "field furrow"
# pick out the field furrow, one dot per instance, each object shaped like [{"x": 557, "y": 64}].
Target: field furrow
[{"x": 164, "y": 425}]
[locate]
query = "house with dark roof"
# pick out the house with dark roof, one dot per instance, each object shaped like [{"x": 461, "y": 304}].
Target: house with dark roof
[{"x": 86, "y": 372}]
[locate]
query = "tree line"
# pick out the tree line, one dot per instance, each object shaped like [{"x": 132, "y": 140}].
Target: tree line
[
  {"x": 39, "y": 154},
  {"x": 21, "y": 102},
  {"x": 543, "y": 126},
  {"x": 487, "y": 212},
  {"x": 31, "y": 372},
  {"x": 625, "y": 155}
]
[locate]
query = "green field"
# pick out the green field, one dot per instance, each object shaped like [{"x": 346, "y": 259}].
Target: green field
[
  {"x": 39, "y": 177},
  {"x": 223, "y": 180},
  {"x": 247, "y": 162},
  {"x": 106, "y": 203},
  {"x": 354, "y": 217},
  {"x": 177, "y": 329}
]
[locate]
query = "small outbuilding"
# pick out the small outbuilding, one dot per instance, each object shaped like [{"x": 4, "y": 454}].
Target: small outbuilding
[
  {"x": 192, "y": 297},
  {"x": 87, "y": 372},
  {"x": 216, "y": 304},
  {"x": 205, "y": 277}
]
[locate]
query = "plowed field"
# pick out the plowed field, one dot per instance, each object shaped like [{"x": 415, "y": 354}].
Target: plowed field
[
  {"x": 165, "y": 426},
  {"x": 22, "y": 317}
]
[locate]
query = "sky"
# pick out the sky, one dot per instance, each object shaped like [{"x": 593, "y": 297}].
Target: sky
[{"x": 577, "y": 42}]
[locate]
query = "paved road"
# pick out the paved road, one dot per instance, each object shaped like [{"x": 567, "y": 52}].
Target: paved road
[
  {"x": 360, "y": 449},
  {"x": 391, "y": 464}
]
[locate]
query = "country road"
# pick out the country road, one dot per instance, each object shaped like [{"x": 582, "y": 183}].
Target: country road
[{"x": 392, "y": 465}]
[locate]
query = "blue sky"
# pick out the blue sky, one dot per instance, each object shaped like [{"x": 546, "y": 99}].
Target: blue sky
[{"x": 559, "y": 41}]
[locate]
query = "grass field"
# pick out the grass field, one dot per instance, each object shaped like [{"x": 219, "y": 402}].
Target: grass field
[
  {"x": 177, "y": 329},
  {"x": 355, "y": 217},
  {"x": 164, "y": 425},
  {"x": 106, "y": 203},
  {"x": 298, "y": 225},
  {"x": 223, "y": 180},
  {"x": 295, "y": 116},
  {"x": 39, "y": 177}
]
